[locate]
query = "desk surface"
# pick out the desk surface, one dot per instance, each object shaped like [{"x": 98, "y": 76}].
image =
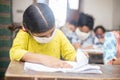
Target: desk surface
[
  {"x": 93, "y": 51},
  {"x": 16, "y": 71}
]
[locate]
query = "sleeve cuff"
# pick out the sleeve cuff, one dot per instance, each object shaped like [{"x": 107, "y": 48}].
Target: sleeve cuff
[{"x": 18, "y": 55}]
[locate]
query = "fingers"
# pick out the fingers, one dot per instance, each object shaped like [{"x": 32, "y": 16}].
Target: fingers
[
  {"x": 66, "y": 65},
  {"x": 76, "y": 45},
  {"x": 62, "y": 64},
  {"x": 86, "y": 54}
]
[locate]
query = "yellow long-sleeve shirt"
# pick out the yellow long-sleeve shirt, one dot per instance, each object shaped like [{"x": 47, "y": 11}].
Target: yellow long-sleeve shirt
[{"x": 58, "y": 47}]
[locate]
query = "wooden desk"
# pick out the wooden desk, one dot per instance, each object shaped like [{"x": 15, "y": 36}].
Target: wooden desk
[{"x": 16, "y": 71}]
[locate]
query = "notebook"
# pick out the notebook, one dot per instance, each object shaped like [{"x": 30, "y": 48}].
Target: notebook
[{"x": 80, "y": 66}]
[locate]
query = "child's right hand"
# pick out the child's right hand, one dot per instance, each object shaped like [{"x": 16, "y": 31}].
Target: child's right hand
[
  {"x": 55, "y": 63},
  {"x": 76, "y": 45},
  {"x": 45, "y": 60}
]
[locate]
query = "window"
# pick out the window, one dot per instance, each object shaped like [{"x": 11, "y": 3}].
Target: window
[{"x": 59, "y": 8}]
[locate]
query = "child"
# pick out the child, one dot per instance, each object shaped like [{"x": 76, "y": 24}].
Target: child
[
  {"x": 70, "y": 33},
  {"x": 84, "y": 31},
  {"x": 99, "y": 32},
  {"x": 39, "y": 41}
]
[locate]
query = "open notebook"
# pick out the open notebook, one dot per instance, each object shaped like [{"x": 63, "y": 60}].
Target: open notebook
[{"x": 81, "y": 66}]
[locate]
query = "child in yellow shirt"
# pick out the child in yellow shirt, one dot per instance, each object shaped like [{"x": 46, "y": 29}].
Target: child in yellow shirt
[{"x": 39, "y": 41}]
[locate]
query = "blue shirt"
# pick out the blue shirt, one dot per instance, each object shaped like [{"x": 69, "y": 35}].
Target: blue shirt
[
  {"x": 97, "y": 43},
  {"x": 88, "y": 42},
  {"x": 73, "y": 38},
  {"x": 109, "y": 47}
]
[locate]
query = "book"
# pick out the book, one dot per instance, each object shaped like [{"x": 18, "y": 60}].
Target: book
[{"x": 80, "y": 66}]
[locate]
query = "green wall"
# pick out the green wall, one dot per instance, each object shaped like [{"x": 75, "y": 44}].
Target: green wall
[{"x": 5, "y": 35}]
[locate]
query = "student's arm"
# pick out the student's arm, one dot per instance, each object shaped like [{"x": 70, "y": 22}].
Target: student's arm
[
  {"x": 45, "y": 60},
  {"x": 101, "y": 40},
  {"x": 68, "y": 51},
  {"x": 109, "y": 48},
  {"x": 116, "y": 62},
  {"x": 19, "y": 46},
  {"x": 76, "y": 45},
  {"x": 19, "y": 52},
  {"x": 75, "y": 41}
]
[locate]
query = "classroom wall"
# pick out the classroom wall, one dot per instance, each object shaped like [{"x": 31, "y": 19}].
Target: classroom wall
[
  {"x": 116, "y": 14},
  {"x": 18, "y": 8},
  {"x": 105, "y": 12}
]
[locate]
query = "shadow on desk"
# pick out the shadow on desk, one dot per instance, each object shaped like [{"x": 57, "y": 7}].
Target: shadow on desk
[
  {"x": 96, "y": 59},
  {"x": 1, "y": 78}
]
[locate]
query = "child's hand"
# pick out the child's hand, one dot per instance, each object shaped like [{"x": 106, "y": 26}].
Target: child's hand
[
  {"x": 76, "y": 45},
  {"x": 45, "y": 60},
  {"x": 101, "y": 40},
  {"x": 86, "y": 54},
  {"x": 55, "y": 63},
  {"x": 116, "y": 61},
  {"x": 88, "y": 47}
]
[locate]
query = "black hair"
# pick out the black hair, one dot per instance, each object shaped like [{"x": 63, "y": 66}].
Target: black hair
[
  {"x": 73, "y": 22},
  {"x": 85, "y": 20},
  {"x": 38, "y": 18},
  {"x": 100, "y": 27},
  {"x": 14, "y": 26}
]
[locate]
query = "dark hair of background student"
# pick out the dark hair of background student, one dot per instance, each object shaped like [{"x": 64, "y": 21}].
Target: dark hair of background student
[
  {"x": 99, "y": 27},
  {"x": 73, "y": 22},
  {"x": 86, "y": 20}
]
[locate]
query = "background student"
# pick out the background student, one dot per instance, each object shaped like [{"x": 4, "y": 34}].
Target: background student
[
  {"x": 70, "y": 31},
  {"x": 84, "y": 31},
  {"x": 99, "y": 33}
]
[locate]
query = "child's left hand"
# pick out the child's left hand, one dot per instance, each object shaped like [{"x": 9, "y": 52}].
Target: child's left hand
[{"x": 86, "y": 54}]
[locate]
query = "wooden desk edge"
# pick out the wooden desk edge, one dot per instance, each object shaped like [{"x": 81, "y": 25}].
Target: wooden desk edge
[{"x": 7, "y": 75}]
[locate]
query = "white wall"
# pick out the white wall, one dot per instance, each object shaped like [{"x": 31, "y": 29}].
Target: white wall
[
  {"x": 105, "y": 12},
  {"x": 116, "y": 14},
  {"x": 18, "y": 7}
]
